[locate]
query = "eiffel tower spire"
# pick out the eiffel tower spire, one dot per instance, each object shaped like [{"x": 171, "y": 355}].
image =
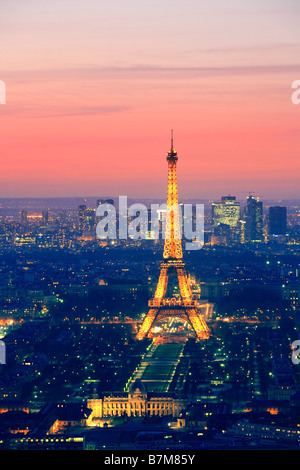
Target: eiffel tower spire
[
  {"x": 161, "y": 306},
  {"x": 173, "y": 247},
  {"x": 172, "y": 145}
]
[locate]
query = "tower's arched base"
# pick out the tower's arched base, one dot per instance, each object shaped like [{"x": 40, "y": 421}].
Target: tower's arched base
[{"x": 190, "y": 315}]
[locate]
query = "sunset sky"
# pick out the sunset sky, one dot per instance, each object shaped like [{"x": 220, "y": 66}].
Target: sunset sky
[{"x": 93, "y": 88}]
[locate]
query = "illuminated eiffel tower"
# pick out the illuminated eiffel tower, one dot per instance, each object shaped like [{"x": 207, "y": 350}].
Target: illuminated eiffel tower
[{"x": 161, "y": 306}]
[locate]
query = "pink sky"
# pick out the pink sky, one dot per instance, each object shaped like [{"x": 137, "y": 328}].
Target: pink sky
[{"x": 93, "y": 89}]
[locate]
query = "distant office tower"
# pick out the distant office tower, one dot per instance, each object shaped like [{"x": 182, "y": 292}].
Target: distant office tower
[
  {"x": 45, "y": 217},
  {"x": 24, "y": 217},
  {"x": 226, "y": 212},
  {"x": 240, "y": 233},
  {"x": 277, "y": 220},
  {"x": 82, "y": 217},
  {"x": 253, "y": 216},
  {"x": 90, "y": 218},
  {"x": 221, "y": 234}
]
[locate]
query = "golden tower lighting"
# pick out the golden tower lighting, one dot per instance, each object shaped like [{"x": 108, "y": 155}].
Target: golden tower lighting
[{"x": 160, "y": 306}]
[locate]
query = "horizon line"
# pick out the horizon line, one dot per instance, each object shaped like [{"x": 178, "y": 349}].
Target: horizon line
[{"x": 207, "y": 198}]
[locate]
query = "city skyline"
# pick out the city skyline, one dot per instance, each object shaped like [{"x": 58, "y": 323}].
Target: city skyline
[
  {"x": 93, "y": 356},
  {"x": 92, "y": 93}
]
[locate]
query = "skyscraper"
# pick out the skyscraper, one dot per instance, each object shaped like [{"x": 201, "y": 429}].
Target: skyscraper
[
  {"x": 45, "y": 217},
  {"x": 226, "y": 212},
  {"x": 24, "y": 219},
  {"x": 277, "y": 220},
  {"x": 82, "y": 217},
  {"x": 240, "y": 232},
  {"x": 90, "y": 218},
  {"x": 253, "y": 215}
]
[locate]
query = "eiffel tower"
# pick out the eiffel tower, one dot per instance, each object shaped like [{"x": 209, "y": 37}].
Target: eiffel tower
[{"x": 160, "y": 306}]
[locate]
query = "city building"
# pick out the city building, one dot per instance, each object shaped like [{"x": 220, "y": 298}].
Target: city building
[
  {"x": 45, "y": 217},
  {"x": 136, "y": 402},
  {"x": 240, "y": 231},
  {"x": 213, "y": 290},
  {"x": 277, "y": 220},
  {"x": 264, "y": 431},
  {"x": 226, "y": 212},
  {"x": 23, "y": 217},
  {"x": 82, "y": 225},
  {"x": 90, "y": 218},
  {"x": 291, "y": 292},
  {"x": 253, "y": 215},
  {"x": 44, "y": 443},
  {"x": 221, "y": 235}
]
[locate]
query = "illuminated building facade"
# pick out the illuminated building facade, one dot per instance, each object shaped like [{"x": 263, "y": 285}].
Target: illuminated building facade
[
  {"x": 241, "y": 231},
  {"x": 182, "y": 306},
  {"x": 226, "y": 212},
  {"x": 291, "y": 292},
  {"x": 136, "y": 402},
  {"x": 90, "y": 218}
]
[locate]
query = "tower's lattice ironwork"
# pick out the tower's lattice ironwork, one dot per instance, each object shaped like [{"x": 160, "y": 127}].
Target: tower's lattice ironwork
[{"x": 184, "y": 306}]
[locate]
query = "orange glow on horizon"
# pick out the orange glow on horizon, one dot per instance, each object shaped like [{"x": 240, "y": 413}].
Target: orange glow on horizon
[{"x": 89, "y": 114}]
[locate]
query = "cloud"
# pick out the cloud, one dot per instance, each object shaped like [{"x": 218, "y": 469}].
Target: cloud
[
  {"x": 40, "y": 111},
  {"x": 88, "y": 111},
  {"x": 141, "y": 70},
  {"x": 80, "y": 91}
]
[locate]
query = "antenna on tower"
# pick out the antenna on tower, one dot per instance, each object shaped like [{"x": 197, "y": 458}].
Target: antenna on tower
[{"x": 172, "y": 153}]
